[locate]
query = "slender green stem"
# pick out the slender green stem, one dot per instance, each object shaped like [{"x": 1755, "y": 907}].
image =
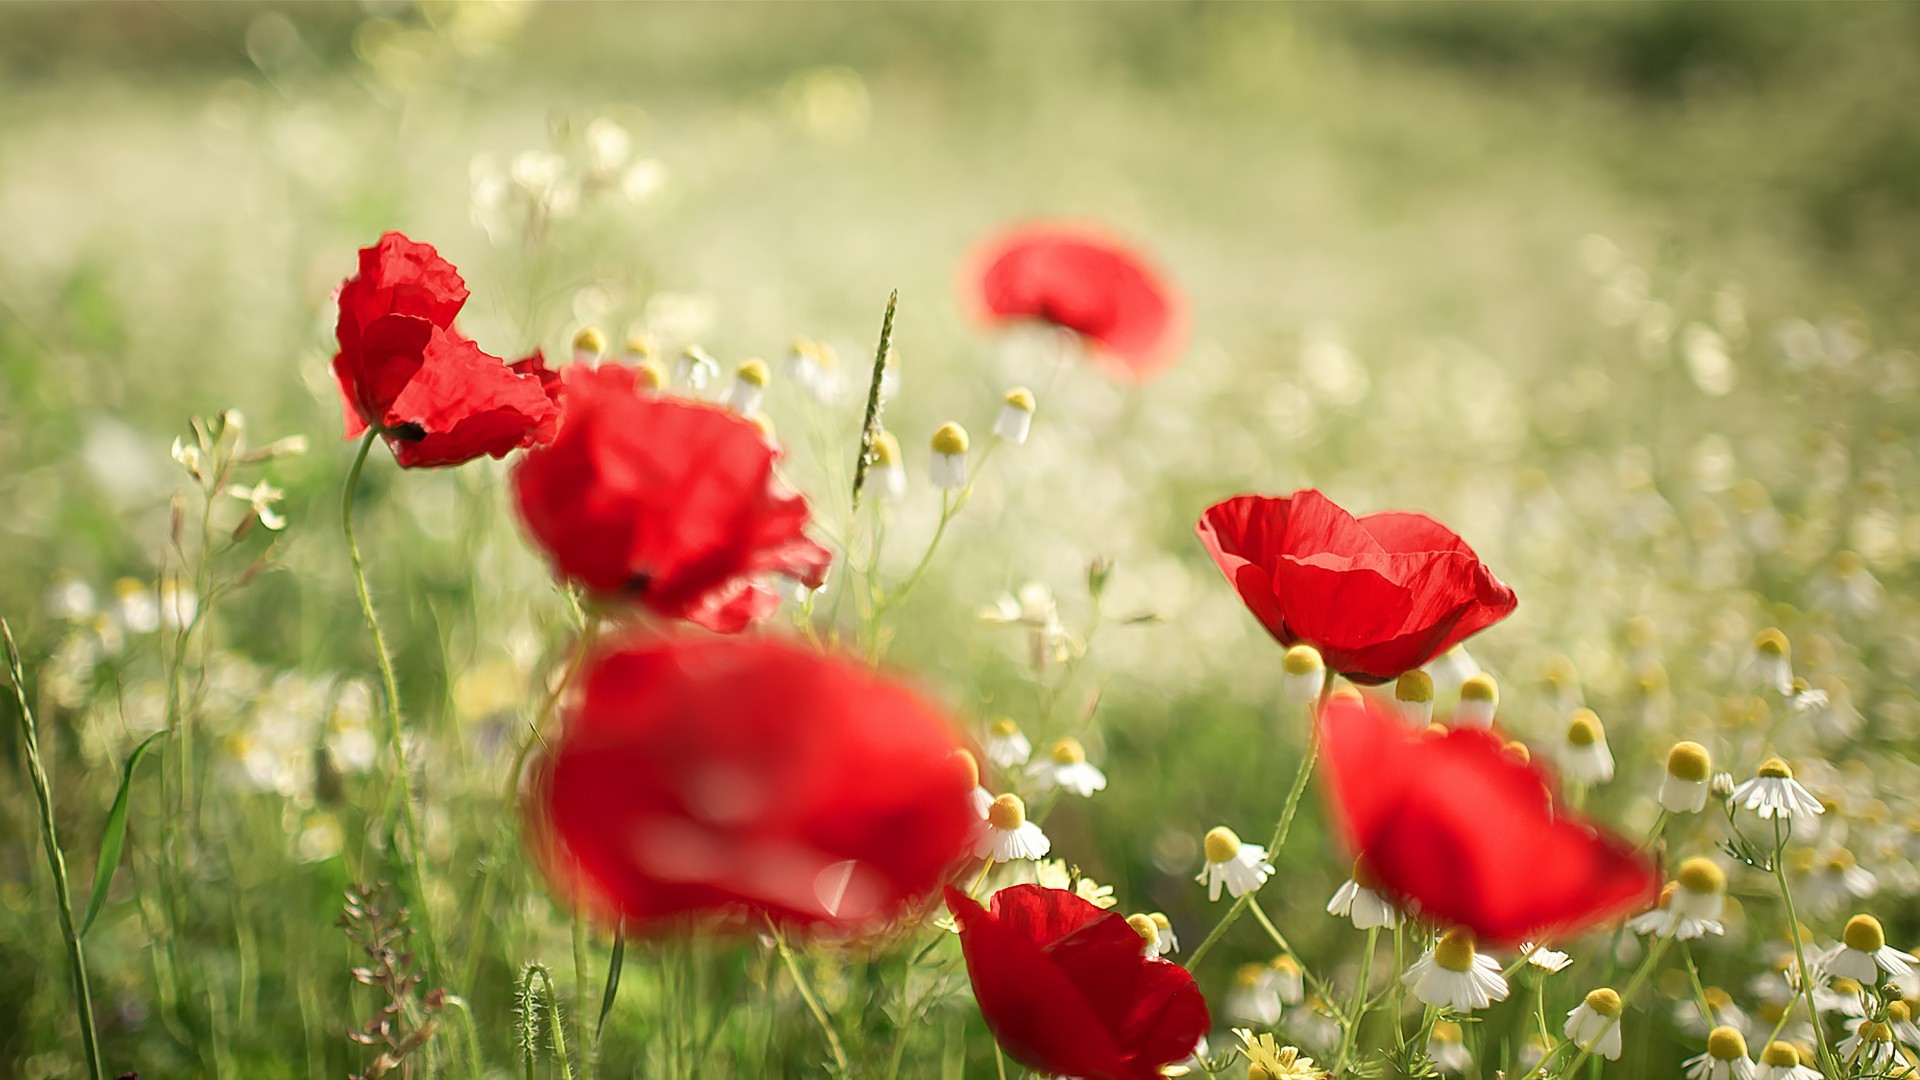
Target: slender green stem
[
  {"x": 580, "y": 989},
  {"x": 1357, "y": 1010},
  {"x": 1699, "y": 991},
  {"x": 1799, "y": 950},
  {"x": 1399, "y": 989},
  {"x": 805, "y": 988},
  {"x": 1279, "y": 840},
  {"x": 56, "y": 862},
  {"x": 396, "y": 741}
]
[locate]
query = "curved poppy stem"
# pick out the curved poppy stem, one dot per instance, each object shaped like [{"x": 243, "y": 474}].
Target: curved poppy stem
[{"x": 396, "y": 743}]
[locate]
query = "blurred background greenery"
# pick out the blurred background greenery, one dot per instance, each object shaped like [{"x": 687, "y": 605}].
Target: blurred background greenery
[{"x": 1622, "y": 292}]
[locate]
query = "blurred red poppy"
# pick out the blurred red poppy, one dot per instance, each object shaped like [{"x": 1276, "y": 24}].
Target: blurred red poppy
[
  {"x": 700, "y": 776},
  {"x": 1067, "y": 989},
  {"x": 670, "y": 503},
  {"x": 1464, "y": 832},
  {"x": 1378, "y": 595},
  {"x": 403, "y": 368},
  {"x": 1077, "y": 278}
]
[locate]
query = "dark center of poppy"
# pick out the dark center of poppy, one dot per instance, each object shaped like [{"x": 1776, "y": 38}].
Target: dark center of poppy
[
  {"x": 407, "y": 432},
  {"x": 638, "y": 584}
]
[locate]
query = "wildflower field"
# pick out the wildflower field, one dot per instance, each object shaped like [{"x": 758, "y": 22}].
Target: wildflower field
[{"x": 595, "y": 540}]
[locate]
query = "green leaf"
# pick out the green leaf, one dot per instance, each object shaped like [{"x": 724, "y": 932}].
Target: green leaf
[
  {"x": 614, "y": 965},
  {"x": 115, "y": 835}
]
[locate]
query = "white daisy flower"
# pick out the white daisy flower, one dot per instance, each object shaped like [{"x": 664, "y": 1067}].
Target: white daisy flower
[
  {"x": 1251, "y": 999},
  {"x": 589, "y": 345},
  {"x": 697, "y": 367},
  {"x": 1016, "y": 416},
  {"x": 1479, "y": 698},
  {"x": 1594, "y": 1024},
  {"x": 1781, "y": 1061},
  {"x": 1285, "y": 978},
  {"x": 1356, "y": 899},
  {"x": 1684, "y": 790},
  {"x": 889, "y": 469},
  {"x": 1848, "y": 587},
  {"x": 1837, "y": 880},
  {"x": 68, "y": 598},
  {"x": 1066, "y": 767},
  {"x": 1544, "y": 958},
  {"x": 1725, "y": 1059},
  {"x": 650, "y": 375},
  {"x": 1168, "y": 942},
  {"x": 1242, "y": 868},
  {"x": 1721, "y": 1012},
  {"x": 749, "y": 387},
  {"x": 809, "y": 365},
  {"x": 1009, "y": 835},
  {"x": 1302, "y": 673},
  {"x": 1775, "y": 793},
  {"x": 260, "y": 498},
  {"x": 1448, "y": 1049},
  {"x": 1770, "y": 668},
  {"x": 1148, "y": 927},
  {"x": 1006, "y": 746},
  {"x": 1863, "y": 953},
  {"x": 640, "y": 349},
  {"x": 1690, "y": 906},
  {"x": 948, "y": 467},
  {"x": 136, "y": 606},
  {"x": 1452, "y": 975},
  {"x": 1413, "y": 695},
  {"x": 1900, "y": 1019},
  {"x": 1584, "y": 755},
  {"x": 1870, "y": 1042}
]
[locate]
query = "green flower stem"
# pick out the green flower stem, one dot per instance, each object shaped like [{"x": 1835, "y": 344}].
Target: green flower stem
[
  {"x": 56, "y": 862},
  {"x": 1357, "y": 1011},
  {"x": 1280, "y": 831},
  {"x": 1633, "y": 986},
  {"x": 396, "y": 744},
  {"x": 807, "y": 996},
  {"x": 1827, "y": 1060}
]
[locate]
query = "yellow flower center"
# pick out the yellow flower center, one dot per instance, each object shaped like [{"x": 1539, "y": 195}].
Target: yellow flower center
[
  {"x": 1780, "y": 1055},
  {"x": 1584, "y": 729},
  {"x": 590, "y": 339},
  {"x": 1221, "y": 844},
  {"x": 640, "y": 347},
  {"x": 1160, "y": 921},
  {"x": 1776, "y": 769},
  {"x": 1068, "y": 752},
  {"x": 1007, "y": 813},
  {"x": 1840, "y": 861},
  {"x": 1302, "y": 660},
  {"x": 1144, "y": 926},
  {"x": 1285, "y": 965},
  {"x": 886, "y": 451},
  {"x": 1701, "y": 875},
  {"x": 1362, "y": 875},
  {"x": 1864, "y": 934},
  {"x": 1875, "y": 1031},
  {"x": 950, "y": 438},
  {"x": 1480, "y": 688},
  {"x": 1446, "y": 1031},
  {"x": 1726, "y": 1044},
  {"x": 1020, "y": 398},
  {"x": 1717, "y": 998},
  {"x": 1771, "y": 643},
  {"x": 1415, "y": 686},
  {"x": 1899, "y": 1012},
  {"x": 1247, "y": 974},
  {"x": 650, "y": 375},
  {"x": 1604, "y": 1001},
  {"x": 1454, "y": 951},
  {"x": 1689, "y": 761},
  {"x": 1004, "y": 727},
  {"x": 1846, "y": 563},
  {"x": 1519, "y": 749},
  {"x": 753, "y": 372}
]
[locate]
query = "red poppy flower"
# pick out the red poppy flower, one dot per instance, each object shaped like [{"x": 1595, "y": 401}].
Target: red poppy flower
[
  {"x": 1068, "y": 990},
  {"x": 668, "y": 502},
  {"x": 1079, "y": 279},
  {"x": 1378, "y": 595},
  {"x": 1465, "y": 831},
  {"x": 403, "y": 368},
  {"x": 702, "y": 775}
]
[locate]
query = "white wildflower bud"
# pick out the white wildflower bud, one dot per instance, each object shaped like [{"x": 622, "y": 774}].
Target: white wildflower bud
[
  {"x": 1479, "y": 697},
  {"x": 1303, "y": 674},
  {"x": 1016, "y": 415},
  {"x": 948, "y": 468},
  {"x": 749, "y": 387},
  {"x": 589, "y": 345}
]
